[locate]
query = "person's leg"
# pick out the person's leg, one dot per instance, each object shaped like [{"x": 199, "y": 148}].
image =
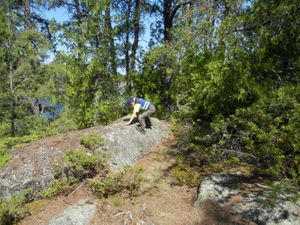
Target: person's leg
[{"x": 141, "y": 117}]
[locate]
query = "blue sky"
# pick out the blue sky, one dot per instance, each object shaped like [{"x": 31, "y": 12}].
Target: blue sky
[{"x": 58, "y": 14}]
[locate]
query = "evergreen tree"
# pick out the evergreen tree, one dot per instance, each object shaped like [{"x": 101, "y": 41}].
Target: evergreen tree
[
  {"x": 93, "y": 88},
  {"x": 23, "y": 48}
]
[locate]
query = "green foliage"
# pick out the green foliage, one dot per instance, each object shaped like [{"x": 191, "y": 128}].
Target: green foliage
[
  {"x": 92, "y": 141},
  {"x": 286, "y": 186},
  {"x": 80, "y": 164},
  {"x": 129, "y": 179},
  {"x": 13, "y": 210},
  {"x": 63, "y": 124},
  {"x": 109, "y": 185},
  {"x": 92, "y": 101},
  {"x": 184, "y": 174},
  {"x": 158, "y": 72},
  {"x": 31, "y": 128},
  {"x": 133, "y": 178},
  {"x": 230, "y": 76},
  {"x": 4, "y": 158},
  {"x": 93, "y": 90},
  {"x": 237, "y": 90},
  {"x": 3, "y": 28},
  {"x": 57, "y": 187},
  {"x": 72, "y": 168},
  {"x": 267, "y": 131},
  {"x": 22, "y": 72},
  {"x": 276, "y": 56}
]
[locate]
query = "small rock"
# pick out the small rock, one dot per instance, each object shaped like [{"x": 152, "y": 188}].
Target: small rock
[{"x": 80, "y": 214}]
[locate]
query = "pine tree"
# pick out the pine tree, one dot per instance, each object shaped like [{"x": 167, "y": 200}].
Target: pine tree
[{"x": 23, "y": 48}]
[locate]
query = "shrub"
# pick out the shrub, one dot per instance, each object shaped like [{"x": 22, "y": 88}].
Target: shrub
[
  {"x": 79, "y": 164},
  {"x": 132, "y": 179},
  {"x": 184, "y": 174},
  {"x": 13, "y": 210},
  {"x": 92, "y": 141},
  {"x": 129, "y": 179},
  {"x": 4, "y": 159},
  {"x": 108, "y": 185},
  {"x": 57, "y": 187},
  {"x": 265, "y": 133}
]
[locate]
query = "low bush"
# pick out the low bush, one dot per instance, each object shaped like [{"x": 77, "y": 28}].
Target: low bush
[
  {"x": 264, "y": 134},
  {"x": 92, "y": 141},
  {"x": 14, "y": 210},
  {"x": 184, "y": 174},
  {"x": 108, "y": 185},
  {"x": 79, "y": 164},
  {"x": 267, "y": 134},
  {"x": 57, "y": 187},
  {"x": 129, "y": 180}
]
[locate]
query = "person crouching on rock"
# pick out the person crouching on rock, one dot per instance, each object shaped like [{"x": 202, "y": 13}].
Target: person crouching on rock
[{"x": 141, "y": 109}]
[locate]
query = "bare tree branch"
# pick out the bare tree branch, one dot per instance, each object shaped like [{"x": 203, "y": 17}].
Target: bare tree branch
[
  {"x": 239, "y": 154},
  {"x": 46, "y": 23},
  {"x": 178, "y": 6}
]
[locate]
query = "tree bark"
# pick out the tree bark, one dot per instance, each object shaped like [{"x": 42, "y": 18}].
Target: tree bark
[
  {"x": 27, "y": 14},
  {"x": 79, "y": 31},
  {"x": 168, "y": 23},
  {"x": 127, "y": 48},
  {"x": 168, "y": 16},
  {"x": 136, "y": 24},
  {"x": 108, "y": 33},
  {"x": 169, "y": 13},
  {"x": 11, "y": 90}
]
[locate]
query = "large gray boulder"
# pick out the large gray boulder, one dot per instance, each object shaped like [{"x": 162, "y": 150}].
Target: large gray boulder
[
  {"x": 125, "y": 144},
  {"x": 31, "y": 166},
  {"x": 248, "y": 198}
]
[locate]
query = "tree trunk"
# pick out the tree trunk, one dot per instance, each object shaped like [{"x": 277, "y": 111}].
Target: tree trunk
[
  {"x": 168, "y": 23},
  {"x": 127, "y": 48},
  {"x": 109, "y": 38},
  {"x": 136, "y": 24},
  {"x": 169, "y": 12},
  {"x": 11, "y": 90},
  {"x": 27, "y": 14},
  {"x": 79, "y": 31}
]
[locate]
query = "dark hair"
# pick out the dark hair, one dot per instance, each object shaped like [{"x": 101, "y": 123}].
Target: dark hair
[{"x": 130, "y": 100}]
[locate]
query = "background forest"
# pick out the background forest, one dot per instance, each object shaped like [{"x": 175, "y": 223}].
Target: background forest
[{"x": 224, "y": 72}]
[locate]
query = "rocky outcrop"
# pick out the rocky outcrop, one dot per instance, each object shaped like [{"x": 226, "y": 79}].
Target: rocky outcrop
[
  {"x": 31, "y": 165},
  {"x": 80, "y": 214},
  {"x": 125, "y": 144},
  {"x": 248, "y": 198}
]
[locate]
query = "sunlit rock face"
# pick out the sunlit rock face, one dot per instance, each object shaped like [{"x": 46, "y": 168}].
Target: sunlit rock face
[
  {"x": 246, "y": 197},
  {"x": 31, "y": 166}
]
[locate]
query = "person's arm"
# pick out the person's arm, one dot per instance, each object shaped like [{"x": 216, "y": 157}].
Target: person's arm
[
  {"x": 131, "y": 119},
  {"x": 135, "y": 110}
]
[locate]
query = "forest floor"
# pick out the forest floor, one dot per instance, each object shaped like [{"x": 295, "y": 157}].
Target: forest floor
[{"x": 158, "y": 202}]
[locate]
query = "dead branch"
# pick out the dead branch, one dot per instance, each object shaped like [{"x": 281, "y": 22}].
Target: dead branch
[
  {"x": 76, "y": 189},
  {"x": 68, "y": 202},
  {"x": 239, "y": 154},
  {"x": 124, "y": 213}
]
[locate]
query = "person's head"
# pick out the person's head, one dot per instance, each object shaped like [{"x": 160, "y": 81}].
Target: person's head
[{"x": 130, "y": 101}]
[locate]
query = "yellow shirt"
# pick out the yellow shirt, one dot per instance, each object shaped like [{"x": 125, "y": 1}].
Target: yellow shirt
[{"x": 136, "y": 108}]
